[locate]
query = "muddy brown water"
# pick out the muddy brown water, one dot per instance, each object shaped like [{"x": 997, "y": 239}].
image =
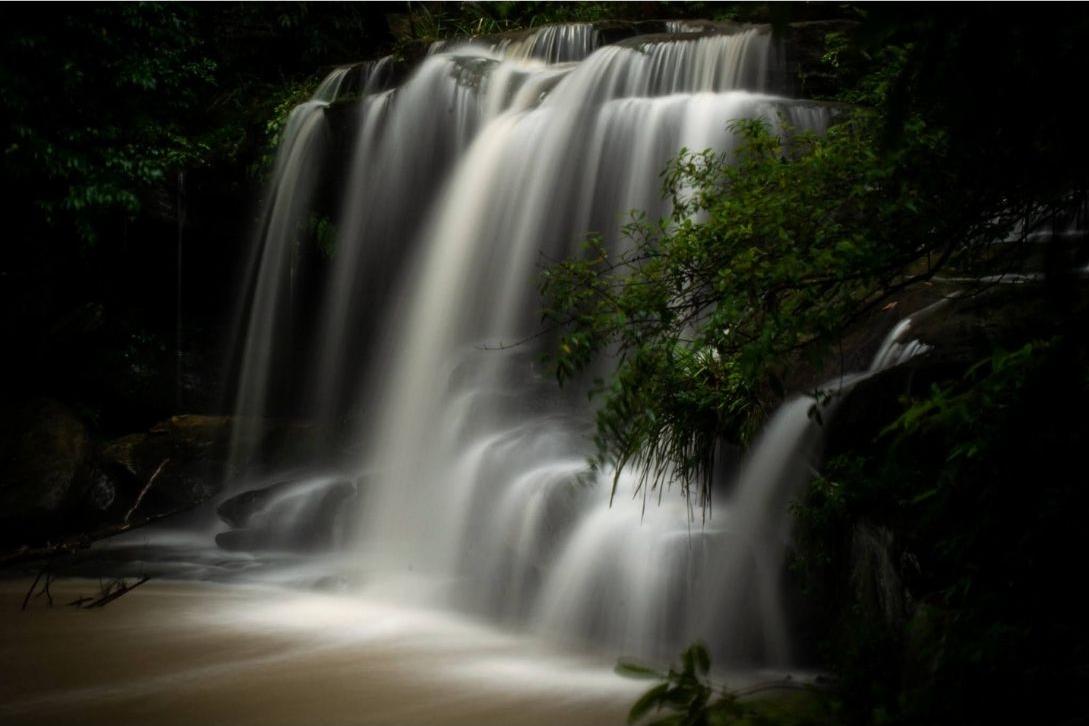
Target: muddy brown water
[{"x": 192, "y": 653}]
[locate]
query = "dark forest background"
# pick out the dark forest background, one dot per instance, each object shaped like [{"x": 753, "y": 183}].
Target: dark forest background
[{"x": 136, "y": 139}]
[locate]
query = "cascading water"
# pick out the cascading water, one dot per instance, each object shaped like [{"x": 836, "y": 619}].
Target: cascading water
[
  {"x": 270, "y": 290},
  {"x": 473, "y": 488},
  {"x": 552, "y": 43}
]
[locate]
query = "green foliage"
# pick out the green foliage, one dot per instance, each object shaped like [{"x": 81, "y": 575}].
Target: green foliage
[
  {"x": 770, "y": 253},
  {"x": 287, "y": 99},
  {"x": 102, "y": 117},
  {"x": 990, "y": 386},
  {"x": 324, "y": 233},
  {"x": 130, "y": 130},
  {"x": 973, "y": 477},
  {"x": 686, "y": 696},
  {"x": 426, "y": 23},
  {"x": 106, "y": 104},
  {"x": 686, "y": 693}
]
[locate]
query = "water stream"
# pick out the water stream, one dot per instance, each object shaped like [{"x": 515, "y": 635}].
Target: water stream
[{"x": 464, "y": 485}]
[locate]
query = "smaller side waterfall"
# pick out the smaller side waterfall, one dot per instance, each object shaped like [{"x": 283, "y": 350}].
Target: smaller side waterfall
[
  {"x": 300, "y": 162},
  {"x": 554, "y": 43},
  {"x": 779, "y": 465},
  {"x": 359, "y": 79},
  {"x": 653, "y": 583}
]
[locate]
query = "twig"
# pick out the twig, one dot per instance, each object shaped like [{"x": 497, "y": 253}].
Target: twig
[
  {"x": 33, "y": 585},
  {"x": 45, "y": 588},
  {"x": 115, "y": 590},
  {"x": 785, "y": 684},
  {"x": 75, "y": 544},
  {"x": 522, "y": 341},
  {"x": 140, "y": 496}
]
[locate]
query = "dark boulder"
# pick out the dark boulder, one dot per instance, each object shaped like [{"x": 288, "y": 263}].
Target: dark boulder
[
  {"x": 238, "y": 540},
  {"x": 45, "y": 452},
  {"x": 238, "y": 510},
  {"x": 968, "y": 327},
  {"x": 188, "y": 457},
  {"x": 298, "y": 516}
]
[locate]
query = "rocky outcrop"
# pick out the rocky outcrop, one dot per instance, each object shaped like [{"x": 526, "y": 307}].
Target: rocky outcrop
[
  {"x": 884, "y": 577},
  {"x": 968, "y": 327},
  {"x": 239, "y": 510},
  {"x": 190, "y": 454},
  {"x": 57, "y": 483},
  {"x": 875, "y": 578},
  {"x": 802, "y": 47},
  {"x": 45, "y": 452}
]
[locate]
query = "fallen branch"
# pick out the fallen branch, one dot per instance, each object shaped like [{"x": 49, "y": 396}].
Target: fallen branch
[
  {"x": 77, "y": 543},
  {"x": 115, "y": 590},
  {"x": 33, "y": 586},
  {"x": 45, "y": 589},
  {"x": 140, "y": 496},
  {"x": 786, "y": 684}
]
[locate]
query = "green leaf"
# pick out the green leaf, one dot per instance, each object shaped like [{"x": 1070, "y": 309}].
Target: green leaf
[
  {"x": 925, "y": 496},
  {"x": 650, "y": 700},
  {"x": 701, "y": 658},
  {"x": 630, "y": 669}
]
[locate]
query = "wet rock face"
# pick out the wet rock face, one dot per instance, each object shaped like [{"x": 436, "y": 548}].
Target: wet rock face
[
  {"x": 238, "y": 510},
  {"x": 875, "y": 579},
  {"x": 44, "y": 454},
  {"x": 57, "y": 482},
  {"x": 294, "y": 516},
  {"x": 960, "y": 333},
  {"x": 102, "y": 494},
  {"x": 190, "y": 454}
]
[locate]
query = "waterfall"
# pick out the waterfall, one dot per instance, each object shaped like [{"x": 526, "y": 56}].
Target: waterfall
[
  {"x": 300, "y": 160},
  {"x": 551, "y": 43},
  {"x": 774, "y": 472},
  {"x": 683, "y": 26},
  {"x": 473, "y": 489}
]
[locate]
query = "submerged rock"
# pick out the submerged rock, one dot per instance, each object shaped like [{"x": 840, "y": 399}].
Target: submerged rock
[
  {"x": 331, "y": 583},
  {"x": 237, "y": 540},
  {"x": 296, "y": 516},
  {"x": 239, "y": 509},
  {"x": 56, "y": 482}
]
